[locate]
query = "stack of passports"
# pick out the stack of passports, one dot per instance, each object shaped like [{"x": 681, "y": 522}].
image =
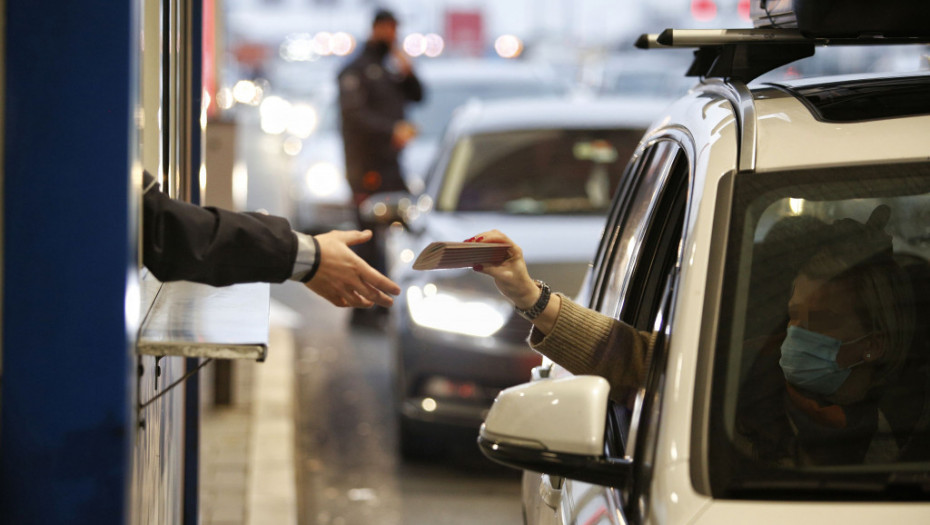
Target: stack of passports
[{"x": 444, "y": 255}]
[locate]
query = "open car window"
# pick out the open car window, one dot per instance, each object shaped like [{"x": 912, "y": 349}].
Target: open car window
[{"x": 821, "y": 376}]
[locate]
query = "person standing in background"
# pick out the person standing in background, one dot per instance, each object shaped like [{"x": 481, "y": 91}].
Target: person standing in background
[{"x": 373, "y": 90}]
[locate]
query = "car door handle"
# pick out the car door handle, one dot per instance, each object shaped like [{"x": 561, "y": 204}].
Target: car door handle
[
  {"x": 540, "y": 372},
  {"x": 550, "y": 490}
]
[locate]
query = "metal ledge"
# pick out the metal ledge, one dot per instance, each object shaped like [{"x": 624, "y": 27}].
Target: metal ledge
[{"x": 196, "y": 320}]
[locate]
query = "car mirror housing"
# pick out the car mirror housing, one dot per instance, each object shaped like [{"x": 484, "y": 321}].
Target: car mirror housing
[{"x": 556, "y": 427}]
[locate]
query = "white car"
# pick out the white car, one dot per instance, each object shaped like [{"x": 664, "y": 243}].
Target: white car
[{"x": 722, "y": 209}]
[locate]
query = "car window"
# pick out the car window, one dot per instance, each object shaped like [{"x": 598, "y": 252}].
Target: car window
[
  {"x": 649, "y": 219},
  {"x": 821, "y": 375},
  {"x": 645, "y": 306},
  {"x": 623, "y": 238},
  {"x": 535, "y": 172}
]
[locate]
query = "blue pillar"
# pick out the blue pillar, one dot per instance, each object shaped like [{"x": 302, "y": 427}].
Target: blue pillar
[
  {"x": 191, "y": 510},
  {"x": 67, "y": 406}
]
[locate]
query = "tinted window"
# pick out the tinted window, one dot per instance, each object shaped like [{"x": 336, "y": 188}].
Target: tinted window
[
  {"x": 537, "y": 171},
  {"x": 822, "y": 365},
  {"x": 868, "y": 99}
]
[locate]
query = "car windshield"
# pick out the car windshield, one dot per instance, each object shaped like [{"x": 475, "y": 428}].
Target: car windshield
[
  {"x": 537, "y": 171},
  {"x": 822, "y": 362},
  {"x": 431, "y": 115}
]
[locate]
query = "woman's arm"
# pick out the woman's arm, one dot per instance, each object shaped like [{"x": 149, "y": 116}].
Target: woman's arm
[{"x": 580, "y": 339}]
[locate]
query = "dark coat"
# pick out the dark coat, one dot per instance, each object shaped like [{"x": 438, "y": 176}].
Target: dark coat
[
  {"x": 182, "y": 241},
  {"x": 371, "y": 100}
]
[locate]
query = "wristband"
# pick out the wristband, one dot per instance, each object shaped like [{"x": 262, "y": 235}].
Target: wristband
[
  {"x": 316, "y": 262},
  {"x": 541, "y": 303}
]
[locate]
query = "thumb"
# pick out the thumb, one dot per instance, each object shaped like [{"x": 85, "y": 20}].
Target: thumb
[{"x": 353, "y": 237}]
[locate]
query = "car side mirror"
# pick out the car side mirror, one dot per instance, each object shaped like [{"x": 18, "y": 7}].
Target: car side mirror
[{"x": 556, "y": 427}]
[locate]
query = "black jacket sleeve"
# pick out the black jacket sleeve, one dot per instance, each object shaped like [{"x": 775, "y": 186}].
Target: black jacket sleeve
[
  {"x": 412, "y": 88},
  {"x": 182, "y": 241}
]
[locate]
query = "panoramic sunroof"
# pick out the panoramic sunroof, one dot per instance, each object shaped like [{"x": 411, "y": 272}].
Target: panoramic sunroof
[{"x": 867, "y": 99}]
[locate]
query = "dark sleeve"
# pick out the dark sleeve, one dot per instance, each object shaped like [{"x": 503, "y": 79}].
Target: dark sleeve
[
  {"x": 412, "y": 88},
  {"x": 182, "y": 241},
  {"x": 353, "y": 104}
]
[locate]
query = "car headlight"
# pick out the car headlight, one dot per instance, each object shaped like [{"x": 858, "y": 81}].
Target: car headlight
[
  {"x": 303, "y": 120},
  {"x": 453, "y": 312},
  {"x": 275, "y": 113},
  {"x": 323, "y": 179}
]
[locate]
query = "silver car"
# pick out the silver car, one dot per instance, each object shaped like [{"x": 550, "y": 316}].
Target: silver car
[
  {"x": 543, "y": 170},
  {"x": 320, "y": 195}
]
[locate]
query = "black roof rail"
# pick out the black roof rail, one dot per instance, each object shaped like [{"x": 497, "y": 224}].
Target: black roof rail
[{"x": 744, "y": 54}]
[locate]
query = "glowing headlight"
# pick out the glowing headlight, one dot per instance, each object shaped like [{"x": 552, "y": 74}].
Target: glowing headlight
[
  {"x": 275, "y": 114},
  {"x": 445, "y": 311},
  {"x": 323, "y": 179},
  {"x": 303, "y": 120}
]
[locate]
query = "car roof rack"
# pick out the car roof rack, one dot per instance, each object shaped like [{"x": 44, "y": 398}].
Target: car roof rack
[{"x": 744, "y": 54}]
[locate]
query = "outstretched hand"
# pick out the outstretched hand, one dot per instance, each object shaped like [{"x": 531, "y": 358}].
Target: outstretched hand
[
  {"x": 344, "y": 278},
  {"x": 510, "y": 276}
]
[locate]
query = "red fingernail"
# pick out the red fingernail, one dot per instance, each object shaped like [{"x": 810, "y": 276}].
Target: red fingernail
[
  {"x": 477, "y": 267},
  {"x": 477, "y": 239},
  {"x": 469, "y": 239}
]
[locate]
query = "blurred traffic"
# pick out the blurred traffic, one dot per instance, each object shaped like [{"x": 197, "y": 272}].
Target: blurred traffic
[
  {"x": 544, "y": 169},
  {"x": 526, "y": 121}
]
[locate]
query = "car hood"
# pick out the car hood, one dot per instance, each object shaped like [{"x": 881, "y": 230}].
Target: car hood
[{"x": 558, "y": 248}]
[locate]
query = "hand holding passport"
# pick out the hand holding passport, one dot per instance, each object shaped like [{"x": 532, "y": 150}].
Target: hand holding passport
[{"x": 445, "y": 255}]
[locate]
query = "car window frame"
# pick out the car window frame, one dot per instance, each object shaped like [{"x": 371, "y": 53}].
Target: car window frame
[
  {"x": 648, "y": 173},
  {"x": 660, "y": 281},
  {"x": 663, "y": 172}
]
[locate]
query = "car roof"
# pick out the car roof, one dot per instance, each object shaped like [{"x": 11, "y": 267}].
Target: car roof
[
  {"x": 556, "y": 113},
  {"x": 778, "y": 126}
]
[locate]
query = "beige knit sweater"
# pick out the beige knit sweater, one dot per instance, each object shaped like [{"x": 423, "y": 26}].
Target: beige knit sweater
[{"x": 584, "y": 341}]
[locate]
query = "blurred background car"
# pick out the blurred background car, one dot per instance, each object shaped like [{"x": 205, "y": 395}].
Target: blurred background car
[
  {"x": 542, "y": 170},
  {"x": 450, "y": 83},
  {"x": 636, "y": 73},
  {"x": 320, "y": 195}
]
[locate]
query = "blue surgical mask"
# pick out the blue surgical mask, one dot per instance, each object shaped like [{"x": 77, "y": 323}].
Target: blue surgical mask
[{"x": 808, "y": 360}]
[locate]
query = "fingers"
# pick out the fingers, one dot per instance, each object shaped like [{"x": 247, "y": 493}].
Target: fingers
[
  {"x": 351, "y": 237},
  {"x": 379, "y": 282},
  {"x": 342, "y": 297},
  {"x": 495, "y": 236},
  {"x": 345, "y": 279}
]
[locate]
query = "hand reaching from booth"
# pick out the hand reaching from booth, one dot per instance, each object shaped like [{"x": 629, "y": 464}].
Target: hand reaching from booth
[{"x": 344, "y": 279}]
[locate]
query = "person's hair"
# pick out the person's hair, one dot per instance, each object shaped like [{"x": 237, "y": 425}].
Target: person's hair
[
  {"x": 861, "y": 255},
  {"x": 383, "y": 15}
]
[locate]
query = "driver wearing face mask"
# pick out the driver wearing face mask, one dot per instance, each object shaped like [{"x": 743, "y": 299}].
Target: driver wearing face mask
[{"x": 848, "y": 331}]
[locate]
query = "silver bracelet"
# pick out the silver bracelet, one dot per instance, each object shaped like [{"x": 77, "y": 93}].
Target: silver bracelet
[{"x": 541, "y": 303}]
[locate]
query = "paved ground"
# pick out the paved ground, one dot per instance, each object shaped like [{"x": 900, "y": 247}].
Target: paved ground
[
  {"x": 247, "y": 448},
  {"x": 310, "y": 438}
]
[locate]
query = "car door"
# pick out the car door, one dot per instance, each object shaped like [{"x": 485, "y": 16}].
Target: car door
[{"x": 631, "y": 281}]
